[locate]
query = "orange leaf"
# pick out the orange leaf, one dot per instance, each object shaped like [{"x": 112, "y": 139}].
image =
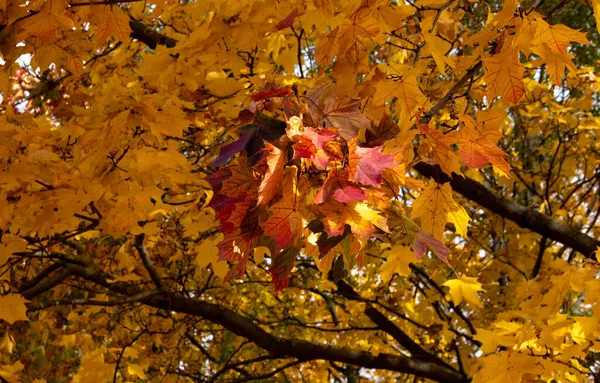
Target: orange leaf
[
  {"x": 442, "y": 152},
  {"x": 344, "y": 115},
  {"x": 270, "y": 183},
  {"x": 285, "y": 224}
]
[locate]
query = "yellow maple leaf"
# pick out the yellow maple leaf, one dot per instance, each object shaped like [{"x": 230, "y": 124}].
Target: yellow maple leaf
[
  {"x": 136, "y": 370},
  {"x": 94, "y": 368},
  {"x": 11, "y": 372},
  {"x": 558, "y": 37},
  {"x": 405, "y": 89},
  {"x": 436, "y": 207},
  {"x": 503, "y": 75},
  {"x": 397, "y": 262},
  {"x": 358, "y": 215},
  {"x": 361, "y": 25},
  {"x": 596, "y": 6},
  {"x": 208, "y": 252},
  {"x": 556, "y": 63},
  {"x": 12, "y": 308},
  {"x": 507, "y": 366},
  {"x": 441, "y": 150},
  {"x": 260, "y": 253},
  {"x": 112, "y": 22},
  {"x": 220, "y": 85},
  {"x": 438, "y": 49},
  {"x": 465, "y": 288},
  {"x": 11, "y": 244}
]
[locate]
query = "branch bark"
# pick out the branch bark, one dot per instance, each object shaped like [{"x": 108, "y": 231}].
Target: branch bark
[
  {"x": 46, "y": 284},
  {"x": 389, "y": 327},
  {"x": 293, "y": 348},
  {"x": 519, "y": 214},
  {"x": 149, "y": 36}
]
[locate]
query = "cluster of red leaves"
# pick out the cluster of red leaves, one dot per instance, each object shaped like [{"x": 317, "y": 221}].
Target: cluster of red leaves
[{"x": 304, "y": 185}]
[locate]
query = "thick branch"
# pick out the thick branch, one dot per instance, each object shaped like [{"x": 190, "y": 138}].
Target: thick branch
[
  {"x": 148, "y": 36},
  {"x": 46, "y": 284},
  {"x": 519, "y": 214},
  {"x": 300, "y": 349}
]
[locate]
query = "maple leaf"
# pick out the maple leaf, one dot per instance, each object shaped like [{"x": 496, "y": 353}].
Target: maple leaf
[
  {"x": 344, "y": 115},
  {"x": 367, "y": 164},
  {"x": 397, "y": 261},
  {"x": 557, "y": 37},
  {"x": 435, "y": 206},
  {"x": 361, "y": 23},
  {"x": 424, "y": 240},
  {"x": 596, "y": 7},
  {"x": 208, "y": 253},
  {"x": 313, "y": 144},
  {"x": 236, "y": 248},
  {"x": 358, "y": 215},
  {"x": 281, "y": 266},
  {"x": 339, "y": 187},
  {"x": 136, "y": 370},
  {"x": 466, "y": 288},
  {"x": 93, "y": 367},
  {"x": 477, "y": 151},
  {"x": 385, "y": 130},
  {"x": 230, "y": 211},
  {"x": 12, "y": 308},
  {"x": 241, "y": 179},
  {"x": 285, "y": 223},
  {"x": 45, "y": 23},
  {"x": 507, "y": 366},
  {"x": 270, "y": 93},
  {"x": 227, "y": 151},
  {"x": 442, "y": 152},
  {"x": 503, "y": 75},
  {"x": 112, "y": 22},
  {"x": 270, "y": 182},
  {"x": 10, "y": 244},
  {"x": 404, "y": 88},
  {"x": 556, "y": 63},
  {"x": 288, "y": 21},
  {"x": 438, "y": 49},
  {"x": 325, "y": 6},
  {"x": 393, "y": 16},
  {"x": 10, "y": 372}
]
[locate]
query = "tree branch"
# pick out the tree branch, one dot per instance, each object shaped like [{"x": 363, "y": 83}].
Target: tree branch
[
  {"x": 300, "y": 349},
  {"x": 427, "y": 116},
  {"x": 46, "y": 284},
  {"x": 149, "y": 36},
  {"x": 293, "y": 348},
  {"x": 519, "y": 214},
  {"x": 390, "y": 328},
  {"x": 141, "y": 248}
]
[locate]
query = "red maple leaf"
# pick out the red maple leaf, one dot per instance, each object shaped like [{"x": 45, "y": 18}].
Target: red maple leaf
[{"x": 367, "y": 164}]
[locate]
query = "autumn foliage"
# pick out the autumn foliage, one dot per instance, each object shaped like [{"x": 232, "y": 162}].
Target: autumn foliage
[{"x": 299, "y": 191}]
